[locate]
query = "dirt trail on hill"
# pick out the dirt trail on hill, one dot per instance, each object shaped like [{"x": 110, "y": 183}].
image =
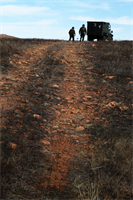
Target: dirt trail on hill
[
  {"x": 51, "y": 96},
  {"x": 70, "y": 118},
  {"x": 62, "y": 92}
]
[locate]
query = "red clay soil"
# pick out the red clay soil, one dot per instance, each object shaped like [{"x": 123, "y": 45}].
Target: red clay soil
[
  {"x": 66, "y": 130},
  {"x": 73, "y": 100}
]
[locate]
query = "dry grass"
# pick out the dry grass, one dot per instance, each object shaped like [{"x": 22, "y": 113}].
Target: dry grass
[
  {"x": 115, "y": 58},
  {"x": 107, "y": 173},
  {"x": 15, "y": 45}
]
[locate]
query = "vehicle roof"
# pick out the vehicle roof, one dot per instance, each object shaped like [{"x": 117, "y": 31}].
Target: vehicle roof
[{"x": 97, "y": 22}]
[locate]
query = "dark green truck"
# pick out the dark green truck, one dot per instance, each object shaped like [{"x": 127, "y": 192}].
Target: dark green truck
[{"x": 99, "y": 31}]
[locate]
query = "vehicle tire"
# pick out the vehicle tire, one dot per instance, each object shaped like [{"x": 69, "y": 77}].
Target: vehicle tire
[
  {"x": 90, "y": 38},
  {"x": 100, "y": 38}
]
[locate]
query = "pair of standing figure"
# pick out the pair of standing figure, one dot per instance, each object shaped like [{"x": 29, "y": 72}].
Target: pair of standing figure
[{"x": 82, "y": 32}]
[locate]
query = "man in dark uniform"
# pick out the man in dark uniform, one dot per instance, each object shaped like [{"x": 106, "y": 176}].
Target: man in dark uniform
[
  {"x": 71, "y": 33},
  {"x": 82, "y": 32}
]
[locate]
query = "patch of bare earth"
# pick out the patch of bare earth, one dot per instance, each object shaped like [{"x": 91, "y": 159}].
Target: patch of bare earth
[{"x": 66, "y": 121}]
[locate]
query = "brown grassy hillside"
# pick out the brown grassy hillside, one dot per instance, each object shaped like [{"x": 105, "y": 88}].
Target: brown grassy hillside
[
  {"x": 66, "y": 119},
  {"x": 7, "y": 36}
]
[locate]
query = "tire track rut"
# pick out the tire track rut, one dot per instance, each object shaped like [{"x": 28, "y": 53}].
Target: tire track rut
[{"x": 69, "y": 141}]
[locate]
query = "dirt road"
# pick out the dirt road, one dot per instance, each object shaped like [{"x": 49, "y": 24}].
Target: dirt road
[{"x": 53, "y": 95}]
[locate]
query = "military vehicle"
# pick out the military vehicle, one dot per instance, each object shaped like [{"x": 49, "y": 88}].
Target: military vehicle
[{"x": 99, "y": 31}]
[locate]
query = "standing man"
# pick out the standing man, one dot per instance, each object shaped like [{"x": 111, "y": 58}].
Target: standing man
[
  {"x": 82, "y": 32},
  {"x": 71, "y": 33}
]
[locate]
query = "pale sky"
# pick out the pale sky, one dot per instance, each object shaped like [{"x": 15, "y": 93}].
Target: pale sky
[{"x": 52, "y": 19}]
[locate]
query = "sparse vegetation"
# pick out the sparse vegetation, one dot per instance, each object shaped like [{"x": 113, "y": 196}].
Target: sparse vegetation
[
  {"x": 29, "y": 107},
  {"x": 15, "y": 45}
]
